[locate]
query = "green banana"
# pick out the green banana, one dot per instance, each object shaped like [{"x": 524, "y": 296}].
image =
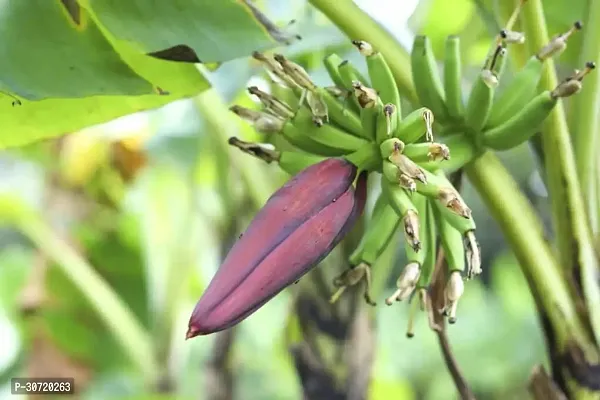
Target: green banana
[
  {"x": 462, "y": 150},
  {"x": 380, "y": 204},
  {"x": 386, "y": 124},
  {"x": 410, "y": 275},
  {"x": 429, "y": 249},
  {"x": 453, "y": 291},
  {"x": 332, "y": 63},
  {"x": 370, "y": 107},
  {"x": 380, "y": 74},
  {"x": 379, "y": 234},
  {"x": 268, "y": 124},
  {"x": 519, "y": 91},
  {"x": 285, "y": 95},
  {"x": 428, "y": 151},
  {"x": 521, "y": 126},
  {"x": 349, "y": 75},
  {"x": 297, "y": 137},
  {"x": 440, "y": 189},
  {"x": 390, "y": 146},
  {"x": 427, "y": 78},
  {"x": 404, "y": 207},
  {"x": 452, "y": 207},
  {"x": 452, "y": 78},
  {"x": 452, "y": 243},
  {"x": 339, "y": 114},
  {"x": 326, "y": 134},
  {"x": 481, "y": 97},
  {"x": 415, "y": 125},
  {"x": 380, "y": 231}
]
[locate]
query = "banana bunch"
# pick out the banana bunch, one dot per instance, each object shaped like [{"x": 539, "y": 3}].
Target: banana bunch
[
  {"x": 493, "y": 116},
  {"x": 359, "y": 118}
]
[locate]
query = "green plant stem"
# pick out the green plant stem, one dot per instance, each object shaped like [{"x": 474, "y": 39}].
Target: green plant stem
[
  {"x": 128, "y": 331},
  {"x": 583, "y": 114},
  {"x": 357, "y": 24},
  {"x": 523, "y": 231},
  {"x": 572, "y": 231}
]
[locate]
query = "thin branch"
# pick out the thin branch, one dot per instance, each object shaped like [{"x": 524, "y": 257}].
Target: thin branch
[{"x": 437, "y": 299}]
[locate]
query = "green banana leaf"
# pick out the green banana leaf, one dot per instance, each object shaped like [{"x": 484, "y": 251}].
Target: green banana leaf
[
  {"x": 190, "y": 30},
  {"x": 68, "y": 64}
]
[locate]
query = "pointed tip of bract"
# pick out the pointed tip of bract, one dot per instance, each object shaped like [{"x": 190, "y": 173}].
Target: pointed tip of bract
[{"x": 192, "y": 332}]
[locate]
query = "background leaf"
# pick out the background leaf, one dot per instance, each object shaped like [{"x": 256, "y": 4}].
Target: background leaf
[
  {"x": 189, "y": 30},
  {"x": 48, "y": 53}
]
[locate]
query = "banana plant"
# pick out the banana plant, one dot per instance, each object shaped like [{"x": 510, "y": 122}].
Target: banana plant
[{"x": 355, "y": 129}]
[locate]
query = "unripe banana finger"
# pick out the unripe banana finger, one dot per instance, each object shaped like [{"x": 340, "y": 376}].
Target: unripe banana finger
[
  {"x": 522, "y": 125},
  {"x": 418, "y": 254},
  {"x": 519, "y": 91},
  {"x": 386, "y": 124},
  {"x": 370, "y": 108},
  {"x": 326, "y": 134},
  {"x": 298, "y": 138},
  {"x": 390, "y": 146},
  {"x": 340, "y": 114},
  {"x": 429, "y": 249},
  {"x": 481, "y": 97},
  {"x": 285, "y": 95},
  {"x": 462, "y": 151},
  {"x": 332, "y": 63},
  {"x": 380, "y": 204},
  {"x": 425, "y": 152},
  {"x": 349, "y": 75},
  {"x": 380, "y": 74},
  {"x": 427, "y": 78},
  {"x": 415, "y": 125},
  {"x": 442, "y": 191},
  {"x": 416, "y": 257},
  {"x": 398, "y": 198},
  {"x": 452, "y": 79},
  {"x": 403, "y": 205},
  {"x": 379, "y": 234},
  {"x": 368, "y": 117},
  {"x": 452, "y": 243}
]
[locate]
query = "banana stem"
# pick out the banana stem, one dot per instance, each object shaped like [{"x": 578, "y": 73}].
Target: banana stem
[
  {"x": 357, "y": 24},
  {"x": 571, "y": 227},
  {"x": 583, "y": 117},
  {"x": 523, "y": 231},
  {"x": 127, "y": 330}
]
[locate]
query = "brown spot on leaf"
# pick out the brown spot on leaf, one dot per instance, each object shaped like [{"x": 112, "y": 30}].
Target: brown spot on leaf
[
  {"x": 73, "y": 9},
  {"x": 181, "y": 52}
]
